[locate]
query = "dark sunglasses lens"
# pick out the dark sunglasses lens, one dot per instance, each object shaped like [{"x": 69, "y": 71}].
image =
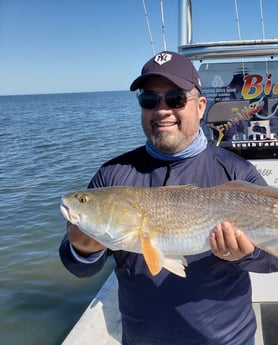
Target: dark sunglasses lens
[
  {"x": 148, "y": 100},
  {"x": 175, "y": 99}
]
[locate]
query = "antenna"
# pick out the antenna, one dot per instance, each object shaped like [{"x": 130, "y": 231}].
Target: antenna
[
  {"x": 239, "y": 35},
  {"x": 237, "y": 20},
  {"x": 148, "y": 25},
  {"x": 163, "y": 26},
  {"x": 263, "y": 32}
]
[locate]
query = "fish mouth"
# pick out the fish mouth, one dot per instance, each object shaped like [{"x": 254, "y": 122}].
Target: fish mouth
[{"x": 67, "y": 214}]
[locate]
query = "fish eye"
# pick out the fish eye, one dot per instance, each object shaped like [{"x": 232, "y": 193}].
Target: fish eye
[{"x": 82, "y": 199}]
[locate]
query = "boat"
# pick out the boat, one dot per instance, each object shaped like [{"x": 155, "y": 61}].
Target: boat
[{"x": 240, "y": 80}]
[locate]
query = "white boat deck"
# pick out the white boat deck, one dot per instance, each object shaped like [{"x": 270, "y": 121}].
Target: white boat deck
[{"x": 101, "y": 321}]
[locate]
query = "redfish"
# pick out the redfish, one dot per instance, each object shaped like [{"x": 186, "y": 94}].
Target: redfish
[{"x": 167, "y": 223}]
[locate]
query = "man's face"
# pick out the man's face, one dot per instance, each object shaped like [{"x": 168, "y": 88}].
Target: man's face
[{"x": 171, "y": 129}]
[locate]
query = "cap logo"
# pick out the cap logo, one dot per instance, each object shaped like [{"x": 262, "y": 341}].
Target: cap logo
[{"x": 162, "y": 58}]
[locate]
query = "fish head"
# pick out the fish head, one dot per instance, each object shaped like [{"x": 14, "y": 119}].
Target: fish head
[
  {"x": 83, "y": 209},
  {"x": 105, "y": 214}
]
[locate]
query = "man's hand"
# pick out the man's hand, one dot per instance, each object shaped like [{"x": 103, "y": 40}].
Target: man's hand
[
  {"x": 229, "y": 244},
  {"x": 83, "y": 244}
]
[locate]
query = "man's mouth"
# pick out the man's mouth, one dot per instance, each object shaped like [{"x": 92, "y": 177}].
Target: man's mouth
[{"x": 164, "y": 124}]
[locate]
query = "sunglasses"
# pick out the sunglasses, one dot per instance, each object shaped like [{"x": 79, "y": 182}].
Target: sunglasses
[{"x": 173, "y": 99}]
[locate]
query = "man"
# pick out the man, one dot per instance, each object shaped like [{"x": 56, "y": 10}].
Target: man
[{"x": 212, "y": 306}]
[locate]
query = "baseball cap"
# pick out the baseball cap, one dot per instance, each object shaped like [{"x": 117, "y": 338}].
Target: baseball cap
[{"x": 173, "y": 66}]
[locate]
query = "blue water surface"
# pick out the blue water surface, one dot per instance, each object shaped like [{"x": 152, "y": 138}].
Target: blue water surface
[{"x": 50, "y": 145}]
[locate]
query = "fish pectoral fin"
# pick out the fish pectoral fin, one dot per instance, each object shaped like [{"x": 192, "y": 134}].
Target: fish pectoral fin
[
  {"x": 153, "y": 256},
  {"x": 176, "y": 265},
  {"x": 155, "y": 259}
]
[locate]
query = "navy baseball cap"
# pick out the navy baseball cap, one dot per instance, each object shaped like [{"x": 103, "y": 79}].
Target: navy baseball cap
[{"x": 173, "y": 66}]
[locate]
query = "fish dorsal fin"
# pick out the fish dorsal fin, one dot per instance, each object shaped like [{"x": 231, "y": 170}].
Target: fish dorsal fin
[
  {"x": 248, "y": 186},
  {"x": 184, "y": 186},
  {"x": 153, "y": 256},
  {"x": 232, "y": 185}
]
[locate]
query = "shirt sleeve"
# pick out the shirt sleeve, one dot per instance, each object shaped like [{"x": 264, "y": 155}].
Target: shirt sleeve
[
  {"x": 89, "y": 259},
  {"x": 259, "y": 262},
  {"x": 81, "y": 268}
]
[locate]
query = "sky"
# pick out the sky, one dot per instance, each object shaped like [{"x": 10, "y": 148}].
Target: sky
[{"x": 57, "y": 46}]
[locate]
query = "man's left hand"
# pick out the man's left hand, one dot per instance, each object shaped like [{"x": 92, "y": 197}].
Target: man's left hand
[{"x": 229, "y": 244}]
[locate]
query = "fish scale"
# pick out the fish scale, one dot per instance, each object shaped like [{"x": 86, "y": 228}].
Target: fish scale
[{"x": 173, "y": 221}]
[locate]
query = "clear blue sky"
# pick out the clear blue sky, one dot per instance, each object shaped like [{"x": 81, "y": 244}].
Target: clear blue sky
[{"x": 52, "y": 46}]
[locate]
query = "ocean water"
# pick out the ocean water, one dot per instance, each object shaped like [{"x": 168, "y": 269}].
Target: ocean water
[{"x": 50, "y": 145}]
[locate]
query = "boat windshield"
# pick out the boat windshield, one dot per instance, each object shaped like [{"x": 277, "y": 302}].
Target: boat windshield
[{"x": 242, "y": 111}]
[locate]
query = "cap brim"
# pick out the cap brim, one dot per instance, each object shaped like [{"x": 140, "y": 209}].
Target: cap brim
[{"x": 180, "y": 82}]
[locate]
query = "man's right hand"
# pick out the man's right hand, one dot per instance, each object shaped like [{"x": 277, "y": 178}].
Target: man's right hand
[{"x": 83, "y": 244}]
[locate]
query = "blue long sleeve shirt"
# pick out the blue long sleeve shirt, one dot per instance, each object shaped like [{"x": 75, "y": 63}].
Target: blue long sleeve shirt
[{"x": 212, "y": 306}]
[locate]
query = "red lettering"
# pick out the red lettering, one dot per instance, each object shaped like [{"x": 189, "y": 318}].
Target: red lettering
[
  {"x": 252, "y": 86},
  {"x": 275, "y": 89},
  {"x": 268, "y": 85}
]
